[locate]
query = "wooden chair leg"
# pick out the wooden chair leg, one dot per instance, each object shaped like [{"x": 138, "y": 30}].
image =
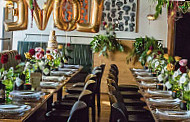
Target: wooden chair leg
[
  {"x": 98, "y": 103},
  {"x": 93, "y": 110}
]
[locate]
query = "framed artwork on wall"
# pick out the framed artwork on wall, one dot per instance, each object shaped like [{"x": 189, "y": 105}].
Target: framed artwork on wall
[{"x": 123, "y": 13}]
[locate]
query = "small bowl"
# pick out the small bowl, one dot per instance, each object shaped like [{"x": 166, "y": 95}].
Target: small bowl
[{"x": 27, "y": 86}]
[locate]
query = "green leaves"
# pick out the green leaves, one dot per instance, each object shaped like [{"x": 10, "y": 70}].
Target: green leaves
[
  {"x": 171, "y": 5},
  {"x": 103, "y": 43}
]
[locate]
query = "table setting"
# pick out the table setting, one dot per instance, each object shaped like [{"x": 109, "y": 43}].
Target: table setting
[
  {"x": 33, "y": 83},
  {"x": 165, "y": 87}
]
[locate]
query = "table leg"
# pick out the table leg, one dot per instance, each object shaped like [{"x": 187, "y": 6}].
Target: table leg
[
  {"x": 49, "y": 103},
  {"x": 59, "y": 94}
]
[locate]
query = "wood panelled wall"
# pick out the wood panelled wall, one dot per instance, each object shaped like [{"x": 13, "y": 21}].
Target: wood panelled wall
[{"x": 118, "y": 58}]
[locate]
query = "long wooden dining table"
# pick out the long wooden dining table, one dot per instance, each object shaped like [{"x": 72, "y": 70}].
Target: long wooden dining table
[
  {"x": 152, "y": 108},
  {"x": 40, "y": 107}
]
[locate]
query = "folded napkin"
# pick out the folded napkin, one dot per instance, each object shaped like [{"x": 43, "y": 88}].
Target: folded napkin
[
  {"x": 159, "y": 92},
  {"x": 49, "y": 84},
  {"x": 61, "y": 73},
  {"x": 172, "y": 115},
  {"x": 146, "y": 78},
  {"x": 71, "y": 66},
  {"x": 67, "y": 69},
  {"x": 53, "y": 78},
  {"x": 143, "y": 73},
  {"x": 140, "y": 70},
  {"x": 147, "y": 85},
  {"x": 164, "y": 102}
]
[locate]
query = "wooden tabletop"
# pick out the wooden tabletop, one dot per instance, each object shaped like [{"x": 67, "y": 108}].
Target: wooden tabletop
[
  {"x": 35, "y": 105},
  {"x": 152, "y": 108}
]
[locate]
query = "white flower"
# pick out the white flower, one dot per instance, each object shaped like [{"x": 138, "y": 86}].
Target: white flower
[
  {"x": 165, "y": 68},
  {"x": 41, "y": 65},
  {"x": 179, "y": 72},
  {"x": 157, "y": 64},
  {"x": 162, "y": 72},
  {"x": 149, "y": 58},
  {"x": 176, "y": 73},
  {"x": 160, "y": 77},
  {"x": 162, "y": 62},
  {"x": 166, "y": 76},
  {"x": 168, "y": 85},
  {"x": 182, "y": 80},
  {"x": 184, "y": 75}
]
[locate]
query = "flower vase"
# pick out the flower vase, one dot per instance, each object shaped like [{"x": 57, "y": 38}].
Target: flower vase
[{"x": 8, "y": 89}]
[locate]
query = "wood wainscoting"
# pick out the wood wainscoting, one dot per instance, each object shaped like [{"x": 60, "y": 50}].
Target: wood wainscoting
[{"x": 118, "y": 58}]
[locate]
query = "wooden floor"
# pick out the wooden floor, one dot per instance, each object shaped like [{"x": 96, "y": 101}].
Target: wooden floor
[{"x": 105, "y": 109}]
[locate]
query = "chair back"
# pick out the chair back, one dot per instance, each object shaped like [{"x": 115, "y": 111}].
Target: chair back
[
  {"x": 79, "y": 112},
  {"x": 90, "y": 77},
  {"x": 119, "y": 113},
  {"x": 114, "y": 66},
  {"x": 103, "y": 67},
  {"x": 111, "y": 76},
  {"x": 90, "y": 85},
  {"x": 113, "y": 83},
  {"x": 86, "y": 96},
  {"x": 112, "y": 98}
]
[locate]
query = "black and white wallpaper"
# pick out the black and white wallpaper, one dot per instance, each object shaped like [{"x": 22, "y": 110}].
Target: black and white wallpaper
[{"x": 121, "y": 12}]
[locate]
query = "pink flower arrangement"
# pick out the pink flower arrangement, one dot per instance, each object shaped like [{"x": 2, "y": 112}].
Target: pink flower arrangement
[
  {"x": 38, "y": 49},
  {"x": 183, "y": 62},
  {"x": 31, "y": 52},
  {"x": 48, "y": 51},
  {"x": 151, "y": 48},
  {"x": 183, "y": 69},
  {"x": 42, "y": 52},
  {"x": 55, "y": 51},
  {"x": 39, "y": 56},
  {"x": 4, "y": 58}
]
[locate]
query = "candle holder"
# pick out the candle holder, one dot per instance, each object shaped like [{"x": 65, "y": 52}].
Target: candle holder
[
  {"x": 159, "y": 86},
  {"x": 183, "y": 105},
  {"x": 176, "y": 94},
  {"x": 27, "y": 86}
]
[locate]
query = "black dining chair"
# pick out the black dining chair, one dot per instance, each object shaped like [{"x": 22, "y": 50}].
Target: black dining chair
[
  {"x": 78, "y": 87},
  {"x": 90, "y": 85},
  {"x": 78, "y": 113},
  {"x": 124, "y": 87},
  {"x": 126, "y": 101},
  {"x": 120, "y": 114},
  {"x": 125, "y": 94},
  {"x": 98, "y": 74},
  {"x": 85, "y": 96}
]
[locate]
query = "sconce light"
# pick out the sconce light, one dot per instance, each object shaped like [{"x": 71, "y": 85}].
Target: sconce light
[{"x": 150, "y": 17}]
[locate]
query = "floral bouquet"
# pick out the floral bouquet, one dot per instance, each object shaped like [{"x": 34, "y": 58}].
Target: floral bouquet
[{"x": 34, "y": 59}]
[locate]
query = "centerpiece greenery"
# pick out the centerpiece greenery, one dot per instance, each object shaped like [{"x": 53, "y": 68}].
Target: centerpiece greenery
[
  {"x": 143, "y": 47},
  {"x": 103, "y": 44},
  {"x": 175, "y": 6}
]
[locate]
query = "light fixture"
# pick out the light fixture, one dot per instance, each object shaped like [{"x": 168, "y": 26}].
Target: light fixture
[{"x": 150, "y": 17}]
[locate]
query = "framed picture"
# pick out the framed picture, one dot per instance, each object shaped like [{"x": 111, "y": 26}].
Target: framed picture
[{"x": 123, "y": 13}]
